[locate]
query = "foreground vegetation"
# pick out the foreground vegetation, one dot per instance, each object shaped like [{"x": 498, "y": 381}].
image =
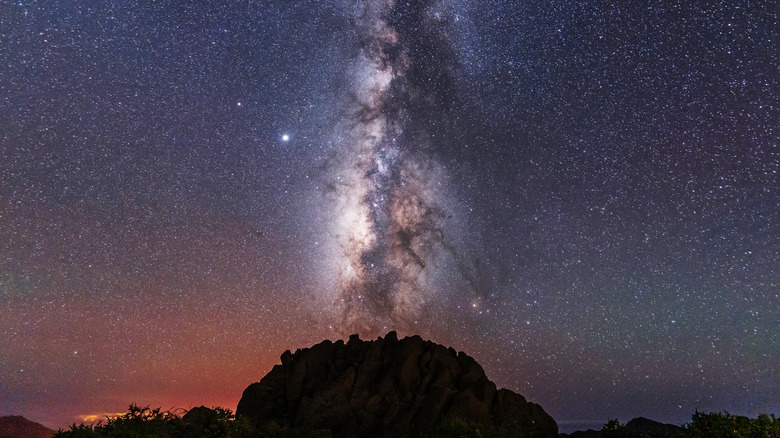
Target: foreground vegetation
[
  {"x": 712, "y": 425},
  {"x": 736, "y": 426},
  {"x": 202, "y": 422}
]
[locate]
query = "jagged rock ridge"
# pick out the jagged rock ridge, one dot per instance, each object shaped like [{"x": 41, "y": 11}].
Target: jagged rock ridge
[{"x": 387, "y": 387}]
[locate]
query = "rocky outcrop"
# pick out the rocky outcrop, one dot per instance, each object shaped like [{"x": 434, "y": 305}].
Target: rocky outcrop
[
  {"x": 387, "y": 387},
  {"x": 645, "y": 428},
  {"x": 15, "y": 426}
]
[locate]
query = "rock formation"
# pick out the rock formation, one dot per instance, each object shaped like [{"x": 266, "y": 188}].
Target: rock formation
[
  {"x": 637, "y": 428},
  {"x": 645, "y": 428},
  {"x": 15, "y": 426},
  {"x": 388, "y": 388}
]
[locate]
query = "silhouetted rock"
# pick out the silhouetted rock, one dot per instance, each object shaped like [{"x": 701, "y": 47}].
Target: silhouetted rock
[
  {"x": 385, "y": 388},
  {"x": 637, "y": 428},
  {"x": 14, "y": 426},
  {"x": 590, "y": 433},
  {"x": 645, "y": 428}
]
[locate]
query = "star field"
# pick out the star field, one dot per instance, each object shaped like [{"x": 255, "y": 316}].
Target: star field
[{"x": 581, "y": 195}]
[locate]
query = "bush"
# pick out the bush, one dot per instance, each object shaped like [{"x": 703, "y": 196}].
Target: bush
[
  {"x": 200, "y": 422},
  {"x": 615, "y": 429},
  {"x": 716, "y": 424}
]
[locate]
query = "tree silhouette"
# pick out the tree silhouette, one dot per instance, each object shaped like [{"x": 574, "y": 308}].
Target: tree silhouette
[{"x": 199, "y": 422}]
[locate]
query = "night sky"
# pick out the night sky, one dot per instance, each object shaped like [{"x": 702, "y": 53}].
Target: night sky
[{"x": 582, "y": 195}]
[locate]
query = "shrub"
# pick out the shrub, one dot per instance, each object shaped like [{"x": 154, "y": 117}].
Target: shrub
[
  {"x": 200, "y": 422},
  {"x": 717, "y": 424},
  {"x": 615, "y": 429}
]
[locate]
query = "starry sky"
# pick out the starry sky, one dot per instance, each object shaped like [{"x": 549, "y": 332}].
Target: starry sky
[{"x": 582, "y": 195}]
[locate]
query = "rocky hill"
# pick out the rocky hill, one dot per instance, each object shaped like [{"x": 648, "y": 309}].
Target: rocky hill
[
  {"x": 637, "y": 428},
  {"x": 388, "y": 388},
  {"x": 14, "y": 426}
]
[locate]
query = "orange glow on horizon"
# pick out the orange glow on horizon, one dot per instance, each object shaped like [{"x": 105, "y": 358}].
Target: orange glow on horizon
[{"x": 96, "y": 418}]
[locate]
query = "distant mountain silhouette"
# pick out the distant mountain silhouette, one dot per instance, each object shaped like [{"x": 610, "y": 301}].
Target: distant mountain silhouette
[
  {"x": 637, "y": 428},
  {"x": 15, "y": 426},
  {"x": 388, "y": 388},
  {"x": 647, "y": 428}
]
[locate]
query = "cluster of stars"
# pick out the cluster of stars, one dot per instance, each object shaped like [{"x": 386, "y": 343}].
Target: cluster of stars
[{"x": 609, "y": 246}]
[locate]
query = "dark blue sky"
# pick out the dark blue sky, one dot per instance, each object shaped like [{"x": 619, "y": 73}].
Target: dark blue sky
[{"x": 581, "y": 195}]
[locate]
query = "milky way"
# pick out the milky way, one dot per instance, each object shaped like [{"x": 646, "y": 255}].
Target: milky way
[{"x": 386, "y": 198}]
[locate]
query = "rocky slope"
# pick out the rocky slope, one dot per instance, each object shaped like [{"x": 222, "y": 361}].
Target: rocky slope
[
  {"x": 388, "y": 387},
  {"x": 14, "y": 426}
]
